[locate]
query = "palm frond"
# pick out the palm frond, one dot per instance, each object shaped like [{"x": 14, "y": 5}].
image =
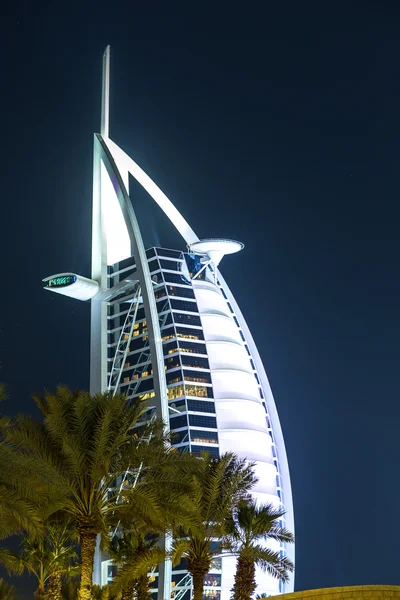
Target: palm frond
[
  {"x": 179, "y": 547},
  {"x": 142, "y": 565},
  {"x": 7, "y": 591},
  {"x": 273, "y": 563},
  {"x": 11, "y": 561}
]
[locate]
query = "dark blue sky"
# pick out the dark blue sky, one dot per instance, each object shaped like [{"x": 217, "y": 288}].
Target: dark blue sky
[{"x": 274, "y": 124}]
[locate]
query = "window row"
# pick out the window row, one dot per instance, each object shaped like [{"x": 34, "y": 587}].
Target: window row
[
  {"x": 179, "y": 437},
  {"x": 195, "y": 362},
  {"x": 179, "y": 341},
  {"x": 171, "y": 265},
  {"x": 176, "y": 422},
  {"x": 192, "y": 347},
  {"x": 163, "y": 305},
  {"x": 192, "y": 376},
  {"x": 203, "y": 421},
  {"x": 213, "y": 451},
  {"x": 137, "y": 375},
  {"x": 173, "y": 348},
  {"x": 187, "y": 319},
  {"x": 200, "y": 377},
  {"x": 202, "y": 406},
  {"x": 118, "y": 321},
  {"x": 172, "y": 363},
  {"x": 169, "y": 253},
  {"x": 136, "y": 343},
  {"x": 186, "y": 361},
  {"x": 198, "y": 391},
  {"x": 179, "y": 405},
  {"x": 189, "y": 334},
  {"x": 138, "y": 387},
  {"x": 175, "y": 278},
  {"x": 180, "y": 292},
  {"x": 203, "y": 437},
  {"x": 187, "y": 305}
]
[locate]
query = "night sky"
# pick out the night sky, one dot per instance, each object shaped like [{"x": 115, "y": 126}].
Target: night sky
[{"x": 273, "y": 123}]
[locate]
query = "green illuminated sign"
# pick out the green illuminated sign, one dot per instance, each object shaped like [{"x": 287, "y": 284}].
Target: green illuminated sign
[{"x": 61, "y": 281}]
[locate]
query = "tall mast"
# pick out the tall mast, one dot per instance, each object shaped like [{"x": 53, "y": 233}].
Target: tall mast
[{"x": 105, "y": 95}]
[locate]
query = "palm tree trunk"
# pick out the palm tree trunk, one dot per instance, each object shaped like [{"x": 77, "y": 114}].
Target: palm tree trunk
[
  {"x": 198, "y": 574},
  {"x": 54, "y": 589},
  {"x": 88, "y": 547},
  {"x": 245, "y": 580},
  {"x": 127, "y": 593},
  {"x": 142, "y": 588},
  {"x": 40, "y": 592}
]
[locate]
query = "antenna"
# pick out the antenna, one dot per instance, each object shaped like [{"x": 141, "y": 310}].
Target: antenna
[{"x": 105, "y": 95}]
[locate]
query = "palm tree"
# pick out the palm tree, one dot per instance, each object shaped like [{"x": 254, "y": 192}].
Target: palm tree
[
  {"x": 136, "y": 543},
  {"x": 7, "y": 591},
  {"x": 69, "y": 588},
  {"x": 61, "y": 535},
  {"x": 17, "y": 513},
  {"x": 136, "y": 554},
  {"x": 100, "y": 593},
  {"x": 247, "y": 529},
  {"x": 217, "y": 488},
  {"x": 18, "y": 502},
  {"x": 85, "y": 445},
  {"x": 48, "y": 557}
]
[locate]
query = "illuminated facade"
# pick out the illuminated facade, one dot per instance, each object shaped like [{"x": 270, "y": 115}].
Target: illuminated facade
[{"x": 165, "y": 327}]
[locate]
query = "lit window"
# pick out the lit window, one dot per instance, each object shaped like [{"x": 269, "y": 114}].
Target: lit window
[
  {"x": 145, "y": 374},
  {"x": 199, "y": 391},
  {"x": 200, "y": 440},
  {"x": 147, "y": 396},
  {"x": 175, "y": 392},
  {"x": 167, "y": 337},
  {"x": 197, "y": 379},
  {"x": 204, "y": 437}
]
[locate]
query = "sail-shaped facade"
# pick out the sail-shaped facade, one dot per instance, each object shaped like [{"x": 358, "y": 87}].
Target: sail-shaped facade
[{"x": 165, "y": 327}]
